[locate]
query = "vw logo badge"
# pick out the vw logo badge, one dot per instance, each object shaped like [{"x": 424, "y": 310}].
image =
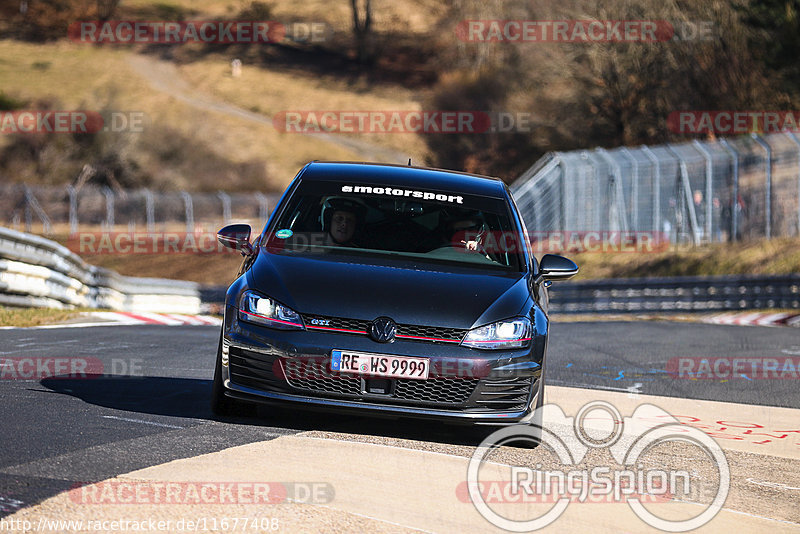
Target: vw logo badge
[{"x": 383, "y": 330}]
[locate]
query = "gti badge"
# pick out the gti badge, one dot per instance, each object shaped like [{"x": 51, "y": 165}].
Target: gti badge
[{"x": 383, "y": 330}]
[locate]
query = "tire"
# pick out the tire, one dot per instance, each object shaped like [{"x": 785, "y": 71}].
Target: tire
[{"x": 222, "y": 405}]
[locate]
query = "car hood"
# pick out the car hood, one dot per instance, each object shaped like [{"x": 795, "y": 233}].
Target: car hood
[{"x": 409, "y": 293}]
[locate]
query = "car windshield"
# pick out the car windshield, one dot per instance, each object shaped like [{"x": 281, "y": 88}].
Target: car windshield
[{"x": 438, "y": 227}]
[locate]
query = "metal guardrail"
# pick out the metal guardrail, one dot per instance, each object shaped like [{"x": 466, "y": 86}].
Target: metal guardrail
[
  {"x": 37, "y": 272},
  {"x": 674, "y": 294},
  {"x": 677, "y": 294}
]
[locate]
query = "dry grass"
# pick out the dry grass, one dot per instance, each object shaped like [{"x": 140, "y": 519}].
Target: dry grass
[
  {"x": 84, "y": 77},
  {"x": 776, "y": 256},
  {"x": 95, "y": 77},
  {"x": 208, "y": 269},
  {"x": 78, "y": 75},
  {"x": 269, "y": 92},
  {"x": 24, "y": 317}
]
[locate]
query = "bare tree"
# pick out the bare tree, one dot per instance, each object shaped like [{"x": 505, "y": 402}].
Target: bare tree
[
  {"x": 362, "y": 30},
  {"x": 106, "y": 8}
]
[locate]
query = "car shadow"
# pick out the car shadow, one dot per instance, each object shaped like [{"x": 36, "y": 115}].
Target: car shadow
[
  {"x": 189, "y": 398},
  {"x": 175, "y": 397}
]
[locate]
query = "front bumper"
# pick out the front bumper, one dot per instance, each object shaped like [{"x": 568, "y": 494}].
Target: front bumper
[{"x": 465, "y": 385}]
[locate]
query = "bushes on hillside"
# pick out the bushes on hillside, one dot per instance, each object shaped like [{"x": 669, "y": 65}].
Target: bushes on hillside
[
  {"x": 160, "y": 157},
  {"x": 45, "y": 20},
  {"x": 585, "y": 94}
]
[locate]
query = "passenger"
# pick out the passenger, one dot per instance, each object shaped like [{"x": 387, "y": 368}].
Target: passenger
[{"x": 467, "y": 233}]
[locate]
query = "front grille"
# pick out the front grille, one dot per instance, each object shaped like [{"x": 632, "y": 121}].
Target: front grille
[
  {"x": 314, "y": 376},
  {"x": 508, "y": 394},
  {"x": 342, "y": 386},
  {"x": 355, "y": 326},
  {"x": 431, "y": 332},
  {"x": 316, "y": 379},
  {"x": 436, "y": 391},
  {"x": 404, "y": 331}
]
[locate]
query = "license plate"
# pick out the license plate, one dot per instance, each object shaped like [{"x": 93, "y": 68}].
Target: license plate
[{"x": 363, "y": 363}]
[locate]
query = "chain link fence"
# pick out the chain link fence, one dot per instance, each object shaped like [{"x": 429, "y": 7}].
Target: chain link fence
[
  {"x": 695, "y": 192},
  {"x": 56, "y": 209}
]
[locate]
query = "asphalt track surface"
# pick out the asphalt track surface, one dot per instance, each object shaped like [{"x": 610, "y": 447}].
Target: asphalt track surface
[
  {"x": 634, "y": 356},
  {"x": 56, "y": 433}
]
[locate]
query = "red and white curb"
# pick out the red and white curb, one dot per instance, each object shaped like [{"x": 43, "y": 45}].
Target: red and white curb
[
  {"x": 169, "y": 319},
  {"x": 755, "y": 318},
  {"x": 131, "y": 319}
]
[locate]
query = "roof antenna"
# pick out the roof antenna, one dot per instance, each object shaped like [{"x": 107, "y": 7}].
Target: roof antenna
[{"x": 409, "y": 162}]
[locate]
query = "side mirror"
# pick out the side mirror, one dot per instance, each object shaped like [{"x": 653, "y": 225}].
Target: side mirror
[
  {"x": 237, "y": 237},
  {"x": 553, "y": 267}
]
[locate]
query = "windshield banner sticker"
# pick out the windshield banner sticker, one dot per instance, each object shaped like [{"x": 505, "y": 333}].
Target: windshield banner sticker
[{"x": 395, "y": 192}]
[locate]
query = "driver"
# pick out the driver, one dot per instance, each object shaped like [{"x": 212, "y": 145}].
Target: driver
[{"x": 340, "y": 219}]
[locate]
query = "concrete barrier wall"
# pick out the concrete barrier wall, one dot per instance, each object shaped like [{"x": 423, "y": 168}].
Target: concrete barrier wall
[{"x": 37, "y": 272}]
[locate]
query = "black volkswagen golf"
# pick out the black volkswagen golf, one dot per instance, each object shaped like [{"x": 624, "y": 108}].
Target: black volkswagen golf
[{"x": 389, "y": 290}]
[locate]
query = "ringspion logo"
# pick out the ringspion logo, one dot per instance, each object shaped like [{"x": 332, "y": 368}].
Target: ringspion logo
[{"x": 630, "y": 479}]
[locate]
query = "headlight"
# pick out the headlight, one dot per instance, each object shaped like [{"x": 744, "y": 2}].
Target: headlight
[
  {"x": 508, "y": 334},
  {"x": 254, "y": 308}
]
